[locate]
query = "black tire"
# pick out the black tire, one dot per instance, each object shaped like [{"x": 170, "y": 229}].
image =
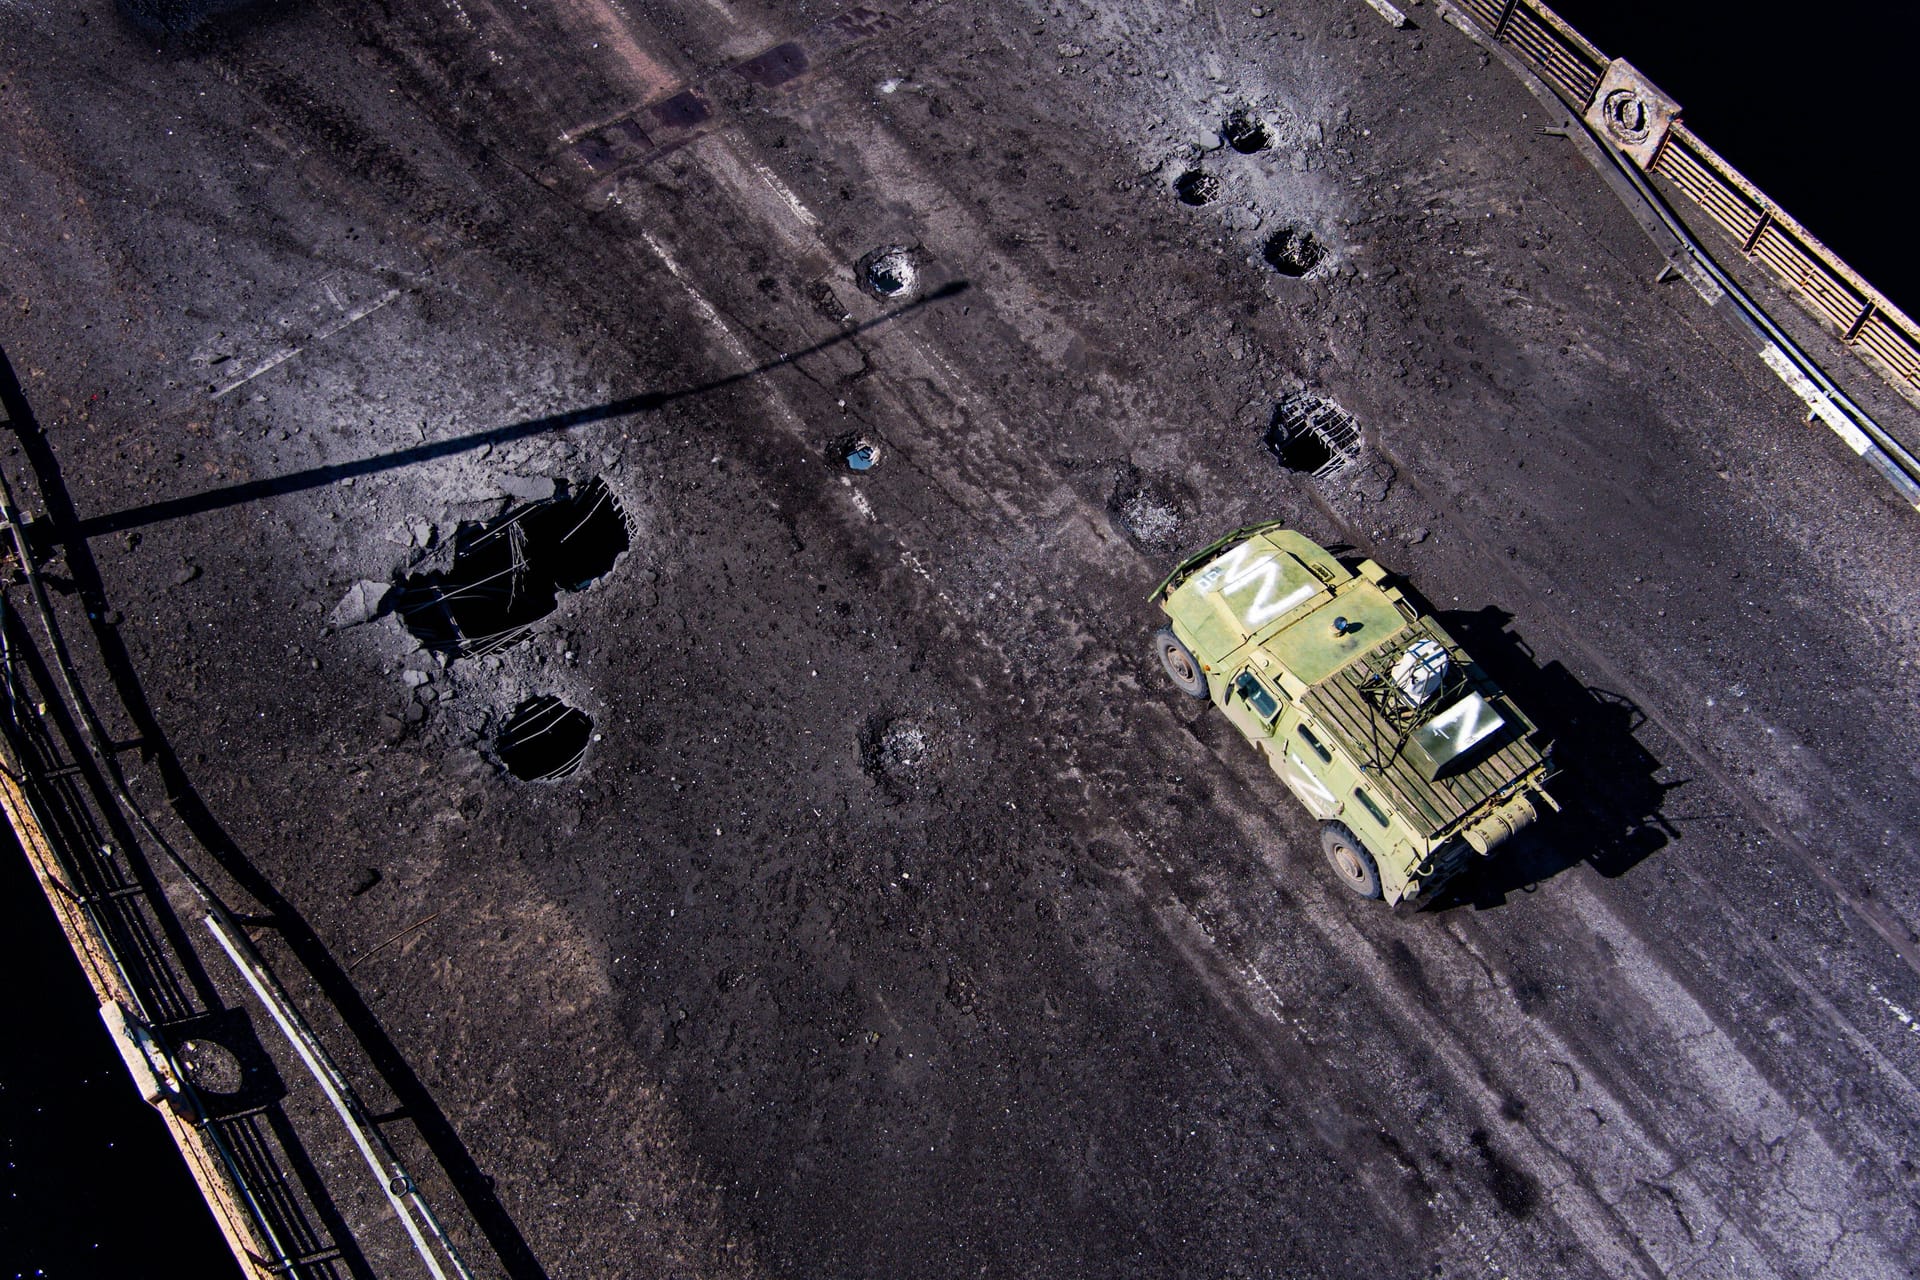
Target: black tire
[
  {"x": 1352, "y": 865},
  {"x": 1179, "y": 663}
]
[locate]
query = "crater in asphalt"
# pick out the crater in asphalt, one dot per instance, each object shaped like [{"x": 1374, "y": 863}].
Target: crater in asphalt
[
  {"x": 897, "y": 752},
  {"x": 888, "y": 273},
  {"x": 1151, "y": 520},
  {"x": 1245, "y": 134},
  {"x": 505, "y": 575},
  {"x": 1293, "y": 251},
  {"x": 903, "y": 745},
  {"x": 1196, "y": 187},
  {"x": 543, "y": 740},
  {"x": 1312, "y": 435},
  {"x": 1145, "y": 510},
  {"x": 854, "y": 452}
]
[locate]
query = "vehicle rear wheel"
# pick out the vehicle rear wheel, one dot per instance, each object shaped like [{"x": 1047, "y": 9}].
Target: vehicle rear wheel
[
  {"x": 1179, "y": 663},
  {"x": 1350, "y": 861}
]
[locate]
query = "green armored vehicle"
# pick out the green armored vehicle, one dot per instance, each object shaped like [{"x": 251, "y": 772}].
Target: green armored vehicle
[{"x": 1395, "y": 739}]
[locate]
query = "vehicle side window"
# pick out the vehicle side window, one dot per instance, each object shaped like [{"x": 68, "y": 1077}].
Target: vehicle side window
[
  {"x": 1368, "y": 803},
  {"x": 1319, "y": 749},
  {"x": 1257, "y": 696}
]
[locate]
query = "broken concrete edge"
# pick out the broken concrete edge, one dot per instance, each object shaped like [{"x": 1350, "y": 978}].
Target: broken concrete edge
[
  {"x": 364, "y": 601},
  {"x": 528, "y": 488},
  {"x": 1821, "y": 407},
  {"x": 1685, "y": 255}
]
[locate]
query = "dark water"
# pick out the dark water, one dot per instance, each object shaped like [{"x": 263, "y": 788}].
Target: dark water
[
  {"x": 90, "y": 1183},
  {"x": 1812, "y": 102}
]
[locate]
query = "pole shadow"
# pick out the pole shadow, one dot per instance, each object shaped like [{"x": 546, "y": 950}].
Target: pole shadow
[{"x": 331, "y": 473}]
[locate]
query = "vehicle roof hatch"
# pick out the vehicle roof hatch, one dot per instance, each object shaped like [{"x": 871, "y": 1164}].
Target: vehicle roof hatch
[{"x": 1249, "y": 588}]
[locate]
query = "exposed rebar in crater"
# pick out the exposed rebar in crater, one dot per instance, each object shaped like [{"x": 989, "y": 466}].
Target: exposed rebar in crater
[
  {"x": 1293, "y": 251},
  {"x": 544, "y": 740},
  {"x": 1245, "y": 133},
  {"x": 1196, "y": 187},
  {"x": 1312, "y": 435},
  {"x": 506, "y": 575}
]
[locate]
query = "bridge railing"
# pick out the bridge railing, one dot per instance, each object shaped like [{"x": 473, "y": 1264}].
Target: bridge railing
[{"x": 1644, "y": 124}]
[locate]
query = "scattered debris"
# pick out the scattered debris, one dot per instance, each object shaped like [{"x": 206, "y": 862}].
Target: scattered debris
[
  {"x": 365, "y": 880},
  {"x": 827, "y": 303},
  {"x": 185, "y": 574},
  {"x": 365, "y": 600},
  {"x": 528, "y": 488}
]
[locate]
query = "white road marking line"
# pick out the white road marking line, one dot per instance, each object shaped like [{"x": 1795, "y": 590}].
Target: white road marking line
[
  {"x": 706, "y": 310},
  {"x": 781, "y": 189},
  {"x": 1906, "y": 1019},
  {"x": 859, "y": 500},
  {"x": 281, "y": 357}
]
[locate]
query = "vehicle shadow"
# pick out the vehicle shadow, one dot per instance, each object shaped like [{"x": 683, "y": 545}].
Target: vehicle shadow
[{"x": 1609, "y": 789}]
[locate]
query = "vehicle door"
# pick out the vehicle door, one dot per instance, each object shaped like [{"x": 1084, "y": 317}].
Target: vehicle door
[
  {"x": 1304, "y": 762},
  {"x": 1254, "y": 707}
]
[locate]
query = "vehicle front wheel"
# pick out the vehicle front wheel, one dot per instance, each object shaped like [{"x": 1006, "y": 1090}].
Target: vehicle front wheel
[
  {"x": 1350, "y": 860},
  {"x": 1179, "y": 663}
]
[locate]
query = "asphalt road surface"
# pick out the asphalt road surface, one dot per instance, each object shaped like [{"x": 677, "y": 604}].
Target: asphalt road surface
[{"x": 900, "y": 918}]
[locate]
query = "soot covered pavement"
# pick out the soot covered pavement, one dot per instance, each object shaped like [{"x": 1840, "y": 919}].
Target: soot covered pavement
[{"x": 636, "y": 521}]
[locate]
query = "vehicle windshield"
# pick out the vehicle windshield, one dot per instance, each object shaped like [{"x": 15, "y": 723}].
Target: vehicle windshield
[{"x": 1263, "y": 703}]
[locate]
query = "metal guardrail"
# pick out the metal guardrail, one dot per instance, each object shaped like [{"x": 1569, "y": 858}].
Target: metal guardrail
[
  {"x": 95, "y": 853},
  {"x": 121, "y": 929},
  {"x": 1644, "y": 124}
]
